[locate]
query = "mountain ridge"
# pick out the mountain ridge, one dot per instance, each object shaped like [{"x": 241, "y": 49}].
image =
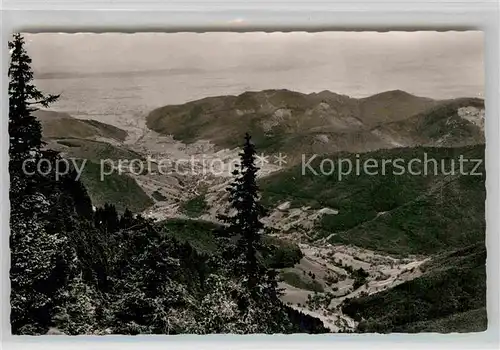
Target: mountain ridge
[
  {"x": 324, "y": 122},
  {"x": 63, "y": 125}
]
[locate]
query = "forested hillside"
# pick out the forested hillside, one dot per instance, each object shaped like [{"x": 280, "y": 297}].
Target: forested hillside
[
  {"x": 434, "y": 207},
  {"x": 449, "y": 297},
  {"x": 81, "y": 271}
]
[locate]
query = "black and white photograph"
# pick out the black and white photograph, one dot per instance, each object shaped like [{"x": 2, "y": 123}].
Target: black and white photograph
[{"x": 247, "y": 183}]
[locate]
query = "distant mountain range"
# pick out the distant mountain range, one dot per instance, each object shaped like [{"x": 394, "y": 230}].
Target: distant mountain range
[
  {"x": 323, "y": 123},
  {"x": 280, "y": 121},
  {"x": 288, "y": 121}
]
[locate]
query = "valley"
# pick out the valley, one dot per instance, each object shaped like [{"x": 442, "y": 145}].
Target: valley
[
  {"x": 359, "y": 237},
  {"x": 334, "y": 269}
]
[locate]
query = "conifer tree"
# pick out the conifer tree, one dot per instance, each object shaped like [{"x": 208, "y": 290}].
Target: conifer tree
[
  {"x": 127, "y": 219},
  {"x": 258, "y": 301},
  {"x": 107, "y": 218},
  {"x": 24, "y": 129},
  {"x": 246, "y": 224},
  {"x": 41, "y": 257}
]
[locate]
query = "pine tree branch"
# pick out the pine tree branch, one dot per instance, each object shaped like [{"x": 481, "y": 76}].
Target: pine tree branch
[{"x": 46, "y": 101}]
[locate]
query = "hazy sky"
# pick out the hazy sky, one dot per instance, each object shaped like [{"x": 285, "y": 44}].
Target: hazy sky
[{"x": 440, "y": 65}]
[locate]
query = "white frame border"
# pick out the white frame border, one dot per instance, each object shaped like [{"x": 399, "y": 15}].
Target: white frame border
[{"x": 274, "y": 15}]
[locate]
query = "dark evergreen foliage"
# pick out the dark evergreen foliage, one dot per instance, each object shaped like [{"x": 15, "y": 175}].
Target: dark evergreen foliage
[
  {"x": 127, "y": 219},
  {"x": 305, "y": 323},
  {"x": 42, "y": 213},
  {"x": 245, "y": 224},
  {"x": 24, "y": 130},
  {"x": 243, "y": 235},
  {"x": 96, "y": 272},
  {"x": 106, "y": 218}
]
